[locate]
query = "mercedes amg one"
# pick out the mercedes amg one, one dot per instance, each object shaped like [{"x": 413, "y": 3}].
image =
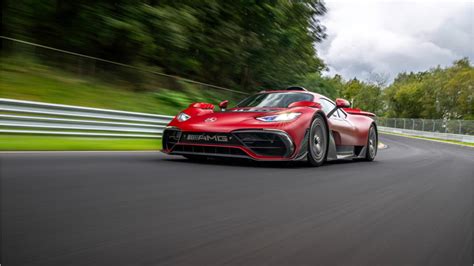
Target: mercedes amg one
[{"x": 278, "y": 125}]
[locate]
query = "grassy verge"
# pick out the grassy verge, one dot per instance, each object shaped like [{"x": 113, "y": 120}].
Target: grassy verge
[
  {"x": 468, "y": 144},
  {"x": 27, "y": 79},
  {"x": 60, "y": 143}
]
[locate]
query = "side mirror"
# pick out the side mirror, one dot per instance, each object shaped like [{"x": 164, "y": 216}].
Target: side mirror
[
  {"x": 202, "y": 105},
  {"x": 305, "y": 104},
  {"x": 223, "y": 105},
  {"x": 342, "y": 103}
]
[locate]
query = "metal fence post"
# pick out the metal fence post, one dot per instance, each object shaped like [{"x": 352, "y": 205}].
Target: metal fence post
[
  {"x": 460, "y": 126},
  {"x": 434, "y": 121},
  {"x": 422, "y": 124},
  {"x": 404, "y": 123},
  {"x": 413, "y": 124}
]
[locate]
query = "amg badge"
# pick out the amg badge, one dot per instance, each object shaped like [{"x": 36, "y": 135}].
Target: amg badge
[
  {"x": 211, "y": 119},
  {"x": 207, "y": 138}
]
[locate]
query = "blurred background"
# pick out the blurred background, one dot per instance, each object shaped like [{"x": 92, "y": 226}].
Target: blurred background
[{"x": 157, "y": 57}]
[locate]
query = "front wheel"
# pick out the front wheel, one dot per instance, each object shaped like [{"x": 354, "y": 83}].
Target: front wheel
[
  {"x": 372, "y": 144},
  {"x": 318, "y": 142}
]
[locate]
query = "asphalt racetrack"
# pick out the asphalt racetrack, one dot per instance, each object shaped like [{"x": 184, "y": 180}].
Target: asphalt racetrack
[{"x": 412, "y": 206}]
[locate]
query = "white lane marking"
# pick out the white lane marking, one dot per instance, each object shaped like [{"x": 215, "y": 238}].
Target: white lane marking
[{"x": 382, "y": 146}]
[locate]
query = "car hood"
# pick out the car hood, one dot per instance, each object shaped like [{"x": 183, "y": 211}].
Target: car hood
[
  {"x": 226, "y": 121},
  {"x": 255, "y": 110}
]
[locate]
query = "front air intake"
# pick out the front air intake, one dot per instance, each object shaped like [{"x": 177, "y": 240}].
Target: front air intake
[
  {"x": 170, "y": 137},
  {"x": 266, "y": 143}
]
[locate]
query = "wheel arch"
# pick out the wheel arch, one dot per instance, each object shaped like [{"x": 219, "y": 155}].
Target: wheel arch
[
  {"x": 331, "y": 144},
  {"x": 323, "y": 115}
]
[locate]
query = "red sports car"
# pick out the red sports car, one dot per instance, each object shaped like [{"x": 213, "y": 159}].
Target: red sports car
[{"x": 280, "y": 125}]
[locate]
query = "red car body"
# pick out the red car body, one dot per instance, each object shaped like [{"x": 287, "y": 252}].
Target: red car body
[{"x": 237, "y": 132}]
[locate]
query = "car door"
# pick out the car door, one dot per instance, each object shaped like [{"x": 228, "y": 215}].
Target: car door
[{"x": 341, "y": 127}]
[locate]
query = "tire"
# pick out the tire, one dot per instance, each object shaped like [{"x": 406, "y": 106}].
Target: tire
[
  {"x": 318, "y": 141},
  {"x": 372, "y": 144}
]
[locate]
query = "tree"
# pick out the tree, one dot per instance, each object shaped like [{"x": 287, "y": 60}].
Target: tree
[
  {"x": 363, "y": 95},
  {"x": 324, "y": 85},
  {"x": 436, "y": 93},
  {"x": 246, "y": 44}
]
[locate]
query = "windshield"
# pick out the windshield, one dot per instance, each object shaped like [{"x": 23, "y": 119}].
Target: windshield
[{"x": 277, "y": 99}]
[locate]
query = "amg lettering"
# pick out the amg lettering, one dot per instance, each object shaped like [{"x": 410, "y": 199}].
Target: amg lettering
[{"x": 208, "y": 138}]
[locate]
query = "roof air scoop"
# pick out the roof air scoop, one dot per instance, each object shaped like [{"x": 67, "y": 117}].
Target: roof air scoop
[{"x": 296, "y": 88}]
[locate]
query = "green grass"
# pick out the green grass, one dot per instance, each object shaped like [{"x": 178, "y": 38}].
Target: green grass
[
  {"x": 470, "y": 144},
  {"x": 60, "y": 143},
  {"x": 25, "y": 79}
]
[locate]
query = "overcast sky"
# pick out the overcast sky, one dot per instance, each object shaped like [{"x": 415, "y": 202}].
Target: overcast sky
[{"x": 368, "y": 36}]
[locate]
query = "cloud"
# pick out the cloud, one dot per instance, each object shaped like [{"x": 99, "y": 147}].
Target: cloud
[{"x": 389, "y": 37}]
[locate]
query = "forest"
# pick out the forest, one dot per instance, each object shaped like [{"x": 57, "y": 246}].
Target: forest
[{"x": 244, "y": 45}]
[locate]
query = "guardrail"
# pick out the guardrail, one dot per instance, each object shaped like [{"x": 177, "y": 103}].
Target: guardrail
[
  {"x": 28, "y": 117},
  {"x": 435, "y": 135},
  {"x": 456, "y": 130},
  {"x": 453, "y": 126}
]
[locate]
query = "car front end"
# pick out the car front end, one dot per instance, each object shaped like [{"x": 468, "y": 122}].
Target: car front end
[
  {"x": 265, "y": 126},
  {"x": 256, "y": 144}
]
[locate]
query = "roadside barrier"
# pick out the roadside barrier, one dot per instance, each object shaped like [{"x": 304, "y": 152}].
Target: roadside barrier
[{"x": 28, "y": 117}]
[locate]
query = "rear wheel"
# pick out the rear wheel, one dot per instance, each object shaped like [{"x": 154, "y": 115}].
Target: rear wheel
[
  {"x": 318, "y": 142},
  {"x": 372, "y": 144}
]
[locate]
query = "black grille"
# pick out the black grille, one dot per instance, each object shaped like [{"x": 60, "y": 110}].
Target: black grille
[
  {"x": 209, "y": 150},
  {"x": 266, "y": 143},
  {"x": 209, "y": 138}
]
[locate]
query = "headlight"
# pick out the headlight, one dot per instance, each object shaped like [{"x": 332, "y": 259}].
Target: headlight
[
  {"x": 279, "y": 117},
  {"x": 182, "y": 117}
]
